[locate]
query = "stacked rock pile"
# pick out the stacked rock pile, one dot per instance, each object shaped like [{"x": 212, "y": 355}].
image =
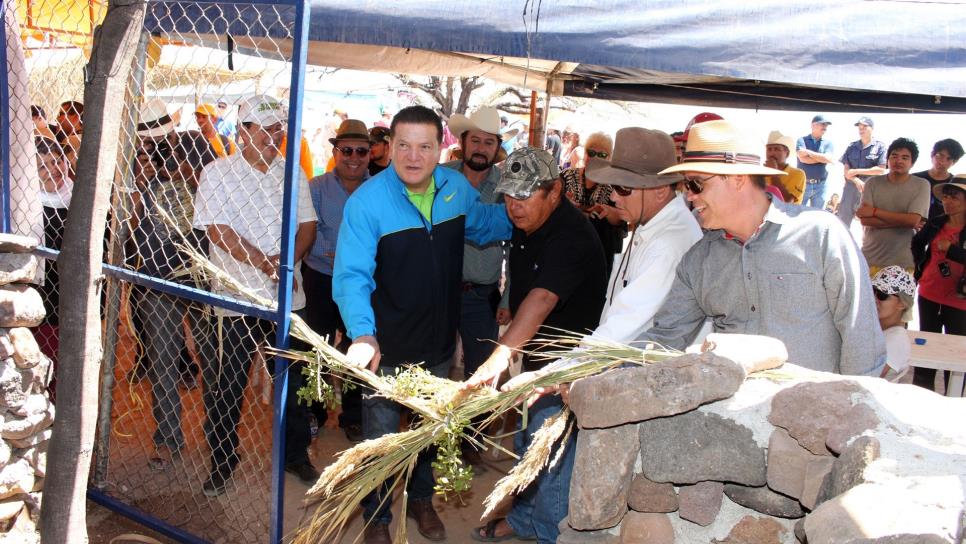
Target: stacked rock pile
[
  {"x": 699, "y": 449},
  {"x": 25, "y": 408}
]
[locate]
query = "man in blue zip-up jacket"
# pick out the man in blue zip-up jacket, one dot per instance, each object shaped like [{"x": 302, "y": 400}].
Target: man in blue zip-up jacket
[{"x": 398, "y": 277}]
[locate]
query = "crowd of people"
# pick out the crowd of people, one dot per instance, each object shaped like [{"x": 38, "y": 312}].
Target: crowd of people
[{"x": 402, "y": 259}]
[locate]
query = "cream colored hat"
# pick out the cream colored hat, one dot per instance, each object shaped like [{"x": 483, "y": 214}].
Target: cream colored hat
[
  {"x": 717, "y": 147},
  {"x": 777, "y": 138},
  {"x": 486, "y": 119},
  {"x": 155, "y": 119}
]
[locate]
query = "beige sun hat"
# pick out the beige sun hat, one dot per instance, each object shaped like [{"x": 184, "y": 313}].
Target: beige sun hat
[
  {"x": 775, "y": 137},
  {"x": 639, "y": 154},
  {"x": 718, "y": 147},
  {"x": 959, "y": 182}
]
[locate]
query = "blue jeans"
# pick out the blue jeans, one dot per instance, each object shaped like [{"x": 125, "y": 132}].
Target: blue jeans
[
  {"x": 380, "y": 417},
  {"x": 478, "y": 328},
  {"x": 851, "y": 198},
  {"x": 814, "y": 195},
  {"x": 538, "y": 509}
]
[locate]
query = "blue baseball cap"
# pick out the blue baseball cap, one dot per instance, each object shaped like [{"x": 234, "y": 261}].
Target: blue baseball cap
[
  {"x": 867, "y": 121},
  {"x": 821, "y": 119}
]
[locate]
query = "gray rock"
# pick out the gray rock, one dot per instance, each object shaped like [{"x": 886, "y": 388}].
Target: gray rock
[
  {"x": 37, "y": 457},
  {"x": 20, "y": 306},
  {"x": 755, "y": 530},
  {"x": 601, "y": 478},
  {"x": 901, "y": 539},
  {"x": 658, "y": 390},
  {"x": 6, "y": 346},
  {"x": 809, "y": 411},
  {"x": 764, "y": 500},
  {"x": 646, "y": 528},
  {"x": 31, "y": 440},
  {"x": 17, "y": 267},
  {"x": 800, "y": 531},
  {"x": 25, "y": 351},
  {"x": 848, "y": 470},
  {"x": 36, "y": 378},
  {"x": 859, "y": 419},
  {"x": 606, "y": 536},
  {"x": 14, "y": 243},
  {"x": 816, "y": 472},
  {"x": 11, "y": 506},
  {"x": 700, "y": 503},
  {"x": 16, "y": 478},
  {"x": 648, "y": 496},
  {"x": 13, "y": 394},
  {"x": 787, "y": 461},
  {"x": 698, "y": 446},
  {"x": 14, "y": 427}
]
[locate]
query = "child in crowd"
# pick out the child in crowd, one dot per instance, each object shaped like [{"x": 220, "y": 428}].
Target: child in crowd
[{"x": 894, "y": 292}]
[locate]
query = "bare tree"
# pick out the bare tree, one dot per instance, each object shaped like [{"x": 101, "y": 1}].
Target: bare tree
[
  {"x": 451, "y": 94},
  {"x": 64, "y": 517}
]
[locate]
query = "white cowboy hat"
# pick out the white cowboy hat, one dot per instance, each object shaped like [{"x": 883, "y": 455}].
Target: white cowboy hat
[
  {"x": 777, "y": 138},
  {"x": 717, "y": 147},
  {"x": 486, "y": 119},
  {"x": 155, "y": 119}
]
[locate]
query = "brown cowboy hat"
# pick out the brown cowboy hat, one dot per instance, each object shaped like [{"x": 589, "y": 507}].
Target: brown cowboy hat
[
  {"x": 350, "y": 129},
  {"x": 639, "y": 157},
  {"x": 718, "y": 147}
]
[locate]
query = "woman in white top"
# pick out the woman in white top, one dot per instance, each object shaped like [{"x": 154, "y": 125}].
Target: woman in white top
[{"x": 894, "y": 291}]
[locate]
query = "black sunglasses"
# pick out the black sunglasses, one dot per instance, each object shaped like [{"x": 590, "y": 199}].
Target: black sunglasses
[
  {"x": 347, "y": 151},
  {"x": 696, "y": 185},
  {"x": 623, "y": 191},
  {"x": 880, "y": 295},
  {"x": 597, "y": 154}
]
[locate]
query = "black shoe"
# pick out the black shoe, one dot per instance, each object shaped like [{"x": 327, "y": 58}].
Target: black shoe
[
  {"x": 353, "y": 433},
  {"x": 305, "y": 471},
  {"x": 217, "y": 481}
]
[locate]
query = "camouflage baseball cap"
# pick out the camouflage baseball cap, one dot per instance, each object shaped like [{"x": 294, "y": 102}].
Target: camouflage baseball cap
[{"x": 525, "y": 170}]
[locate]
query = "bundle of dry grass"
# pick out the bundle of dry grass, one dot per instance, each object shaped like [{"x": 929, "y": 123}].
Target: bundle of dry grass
[{"x": 444, "y": 412}]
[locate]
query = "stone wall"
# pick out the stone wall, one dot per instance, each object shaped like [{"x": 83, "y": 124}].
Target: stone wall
[
  {"x": 26, "y": 413},
  {"x": 700, "y": 453}
]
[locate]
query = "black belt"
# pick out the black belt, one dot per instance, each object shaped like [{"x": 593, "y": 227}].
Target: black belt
[{"x": 469, "y": 286}]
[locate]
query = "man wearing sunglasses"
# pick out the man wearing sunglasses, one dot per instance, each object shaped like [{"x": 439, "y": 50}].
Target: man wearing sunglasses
[
  {"x": 765, "y": 267},
  {"x": 350, "y": 150}
]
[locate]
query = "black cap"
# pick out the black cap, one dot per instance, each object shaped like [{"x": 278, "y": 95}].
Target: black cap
[{"x": 821, "y": 119}]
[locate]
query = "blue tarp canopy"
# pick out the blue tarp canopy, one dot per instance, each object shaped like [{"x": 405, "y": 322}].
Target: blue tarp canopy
[{"x": 845, "y": 54}]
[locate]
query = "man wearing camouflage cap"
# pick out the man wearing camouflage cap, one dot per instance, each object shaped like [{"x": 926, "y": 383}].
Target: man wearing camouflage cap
[{"x": 559, "y": 279}]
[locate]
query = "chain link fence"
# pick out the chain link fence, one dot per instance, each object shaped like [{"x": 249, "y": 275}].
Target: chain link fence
[{"x": 185, "y": 430}]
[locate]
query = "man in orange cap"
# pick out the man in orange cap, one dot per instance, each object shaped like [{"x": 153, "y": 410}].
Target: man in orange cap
[{"x": 206, "y": 115}]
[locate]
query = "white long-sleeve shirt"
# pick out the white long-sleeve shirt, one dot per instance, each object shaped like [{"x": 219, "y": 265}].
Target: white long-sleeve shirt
[{"x": 642, "y": 276}]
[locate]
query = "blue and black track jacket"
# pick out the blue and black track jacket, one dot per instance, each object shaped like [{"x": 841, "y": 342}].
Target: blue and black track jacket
[{"x": 399, "y": 277}]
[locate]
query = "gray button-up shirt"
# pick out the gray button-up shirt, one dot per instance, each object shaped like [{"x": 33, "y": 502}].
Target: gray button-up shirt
[
  {"x": 800, "y": 279},
  {"x": 482, "y": 264}
]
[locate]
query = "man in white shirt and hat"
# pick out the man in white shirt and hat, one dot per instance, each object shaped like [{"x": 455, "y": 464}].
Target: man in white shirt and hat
[{"x": 239, "y": 204}]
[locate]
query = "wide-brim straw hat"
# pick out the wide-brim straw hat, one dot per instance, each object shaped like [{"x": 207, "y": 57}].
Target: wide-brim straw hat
[
  {"x": 718, "y": 147},
  {"x": 350, "y": 129},
  {"x": 639, "y": 157},
  {"x": 958, "y": 182},
  {"x": 154, "y": 119}
]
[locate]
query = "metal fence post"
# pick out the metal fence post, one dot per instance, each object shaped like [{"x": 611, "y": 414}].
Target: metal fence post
[
  {"x": 289, "y": 228},
  {"x": 4, "y": 122}
]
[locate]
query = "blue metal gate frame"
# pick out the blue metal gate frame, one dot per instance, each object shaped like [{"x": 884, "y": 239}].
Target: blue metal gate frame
[{"x": 281, "y": 316}]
